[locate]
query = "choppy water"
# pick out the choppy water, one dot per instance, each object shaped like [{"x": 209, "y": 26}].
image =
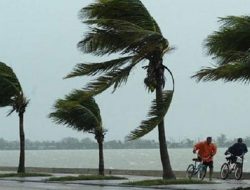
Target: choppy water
[{"x": 141, "y": 159}]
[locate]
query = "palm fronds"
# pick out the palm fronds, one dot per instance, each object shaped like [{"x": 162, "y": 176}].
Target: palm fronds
[
  {"x": 18, "y": 104},
  {"x": 132, "y": 11},
  {"x": 116, "y": 26},
  {"x": 88, "y": 69},
  {"x": 230, "y": 47},
  {"x": 155, "y": 116},
  {"x": 77, "y": 112},
  {"x": 230, "y": 72},
  {"x": 232, "y": 40},
  {"x": 9, "y": 85},
  {"x": 11, "y": 93},
  {"x": 113, "y": 78},
  {"x": 101, "y": 41}
]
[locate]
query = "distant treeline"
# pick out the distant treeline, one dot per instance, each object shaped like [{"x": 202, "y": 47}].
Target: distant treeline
[
  {"x": 74, "y": 143},
  {"x": 87, "y": 143}
]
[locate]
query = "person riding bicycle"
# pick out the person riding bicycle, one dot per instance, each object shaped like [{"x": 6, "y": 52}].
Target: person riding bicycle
[
  {"x": 206, "y": 150},
  {"x": 237, "y": 149}
]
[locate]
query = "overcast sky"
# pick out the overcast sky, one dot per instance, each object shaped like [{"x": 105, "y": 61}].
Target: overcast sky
[{"x": 38, "y": 40}]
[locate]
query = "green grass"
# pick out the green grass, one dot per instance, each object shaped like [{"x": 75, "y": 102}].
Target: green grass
[
  {"x": 24, "y": 175},
  {"x": 84, "y": 177},
  {"x": 165, "y": 182}
]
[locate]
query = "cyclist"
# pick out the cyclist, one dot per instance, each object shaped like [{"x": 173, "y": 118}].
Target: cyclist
[
  {"x": 237, "y": 149},
  {"x": 206, "y": 150}
]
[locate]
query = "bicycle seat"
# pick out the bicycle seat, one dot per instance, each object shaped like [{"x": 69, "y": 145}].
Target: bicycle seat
[{"x": 196, "y": 159}]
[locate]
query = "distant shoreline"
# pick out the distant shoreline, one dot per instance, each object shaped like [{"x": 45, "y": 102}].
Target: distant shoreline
[{"x": 70, "y": 143}]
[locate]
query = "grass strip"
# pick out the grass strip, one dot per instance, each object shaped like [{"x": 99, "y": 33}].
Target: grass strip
[
  {"x": 24, "y": 175},
  {"x": 84, "y": 177},
  {"x": 165, "y": 182}
]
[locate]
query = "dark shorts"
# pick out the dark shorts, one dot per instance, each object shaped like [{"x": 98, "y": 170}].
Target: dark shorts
[{"x": 209, "y": 164}]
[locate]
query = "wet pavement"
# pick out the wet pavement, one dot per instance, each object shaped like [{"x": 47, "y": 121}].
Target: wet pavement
[{"x": 38, "y": 183}]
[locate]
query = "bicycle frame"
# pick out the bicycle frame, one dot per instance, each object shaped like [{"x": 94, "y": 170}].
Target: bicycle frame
[
  {"x": 233, "y": 165},
  {"x": 238, "y": 162},
  {"x": 196, "y": 168}
]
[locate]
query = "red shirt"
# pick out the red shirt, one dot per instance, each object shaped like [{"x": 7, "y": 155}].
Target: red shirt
[{"x": 206, "y": 151}]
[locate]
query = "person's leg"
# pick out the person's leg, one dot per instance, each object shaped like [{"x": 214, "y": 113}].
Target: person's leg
[
  {"x": 210, "y": 173},
  {"x": 210, "y": 170}
]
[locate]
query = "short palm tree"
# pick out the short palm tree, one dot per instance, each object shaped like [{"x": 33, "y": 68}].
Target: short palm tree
[
  {"x": 230, "y": 47},
  {"x": 81, "y": 114},
  {"x": 126, "y": 29},
  {"x": 11, "y": 94}
]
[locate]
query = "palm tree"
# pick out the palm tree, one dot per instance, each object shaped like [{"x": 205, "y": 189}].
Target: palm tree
[
  {"x": 230, "y": 47},
  {"x": 81, "y": 114},
  {"x": 11, "y": 94},
  {"x": 125, "y": 28}
]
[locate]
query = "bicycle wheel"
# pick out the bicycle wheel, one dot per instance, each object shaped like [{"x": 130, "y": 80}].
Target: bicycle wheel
[
  {"x": 238, "y": 172},
  {"x": 224, "y": 171},
  {"x": 190, "y": 171},
  {"x": 202, "y": 172}
]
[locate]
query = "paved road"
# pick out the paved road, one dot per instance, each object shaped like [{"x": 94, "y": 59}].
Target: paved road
[
  {"x": 14, "y": 185},
  {"x": 36, "y": 183}
]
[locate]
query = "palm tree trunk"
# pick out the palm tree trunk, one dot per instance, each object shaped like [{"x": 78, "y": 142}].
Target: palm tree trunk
[
  {"x": 159, "y": 77},
  {"x": 101, "y": 157},
  {"x": 21, "y": 166},
  {"x": 167, "y": 169}
]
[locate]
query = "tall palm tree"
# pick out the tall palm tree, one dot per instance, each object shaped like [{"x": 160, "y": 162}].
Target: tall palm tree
[
  {"x": 230, "y": 47},
  {"x": 81, "y": 114},
  {"x": 11, "y": 94},
  {"x": 126, "y": 29}
]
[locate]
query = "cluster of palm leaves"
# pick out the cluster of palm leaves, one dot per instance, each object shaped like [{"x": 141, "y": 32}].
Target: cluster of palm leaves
[{"x": 230, "y": 48}]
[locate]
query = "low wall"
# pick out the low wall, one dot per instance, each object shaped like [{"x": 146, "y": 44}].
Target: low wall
[{"x": 155, "y": 173}]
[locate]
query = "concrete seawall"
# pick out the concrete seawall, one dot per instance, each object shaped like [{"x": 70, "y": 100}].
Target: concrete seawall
[{"x": 155, "y": 173}]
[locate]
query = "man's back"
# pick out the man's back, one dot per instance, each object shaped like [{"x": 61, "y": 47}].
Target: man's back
[{"x": 238, "y": 149}]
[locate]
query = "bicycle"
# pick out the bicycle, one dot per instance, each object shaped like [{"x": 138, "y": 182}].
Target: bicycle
[
  {"x": 199, "y": 169},
  {"x": 231, "y": 166}
]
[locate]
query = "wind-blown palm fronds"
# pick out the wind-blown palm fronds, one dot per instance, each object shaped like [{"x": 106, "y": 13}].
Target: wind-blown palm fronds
[
  {"x": 11, "y": 94},
  {"x": 98, "y": 68},
  {"x": 231, "y": 42},
  {"x": 228, "y": 73},
  {"x": 77, "y": 112},
  {"x": 9, "y": 85},
  {"x": 126, "y": 29},
  {"x": 155, "y": 116},
  {"x": 230, "y": 47}
]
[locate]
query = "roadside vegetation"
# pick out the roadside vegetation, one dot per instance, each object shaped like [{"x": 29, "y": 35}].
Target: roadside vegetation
[
  {"x": 85, "y": 177},
  {"x": 165, "y": 182}
]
